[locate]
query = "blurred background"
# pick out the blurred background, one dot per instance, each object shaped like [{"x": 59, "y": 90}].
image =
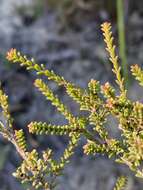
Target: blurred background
[{"x": 65, "y": 35}]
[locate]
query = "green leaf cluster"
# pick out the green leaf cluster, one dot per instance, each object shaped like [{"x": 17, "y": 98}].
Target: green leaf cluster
[{"x": 99, "y": 102}]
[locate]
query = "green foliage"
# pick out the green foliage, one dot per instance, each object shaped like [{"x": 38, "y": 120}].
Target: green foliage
[
  {"x": 99, "y": 102},
  {"x": 121, "y": 183},
  {"x": 20, "y": 138},
  {"x": 138, "y": 73},
  {"x": 44, "y": 128}
]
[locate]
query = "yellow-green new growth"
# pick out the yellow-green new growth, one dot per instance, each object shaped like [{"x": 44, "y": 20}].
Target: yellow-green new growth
[
  {"x": 5, "y": 108},
  {"x": 108, "y": 38},
  {"x": 40, "y": 128},
  {"x": 99, "y": 102},
  {"x": 121, "y": 183},
  {"x": 20, "y": 138},
  {"x": 138, "y": 73}
]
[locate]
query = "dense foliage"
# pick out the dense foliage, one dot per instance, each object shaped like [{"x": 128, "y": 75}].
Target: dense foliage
[{"x": 100, "y": 102}]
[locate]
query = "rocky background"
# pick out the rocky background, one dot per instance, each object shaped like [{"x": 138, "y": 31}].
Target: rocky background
[{"x": 64, "y": 35}]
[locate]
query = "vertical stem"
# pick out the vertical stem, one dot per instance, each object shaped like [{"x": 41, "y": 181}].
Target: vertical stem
[{"x": 122, "y": 42}]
